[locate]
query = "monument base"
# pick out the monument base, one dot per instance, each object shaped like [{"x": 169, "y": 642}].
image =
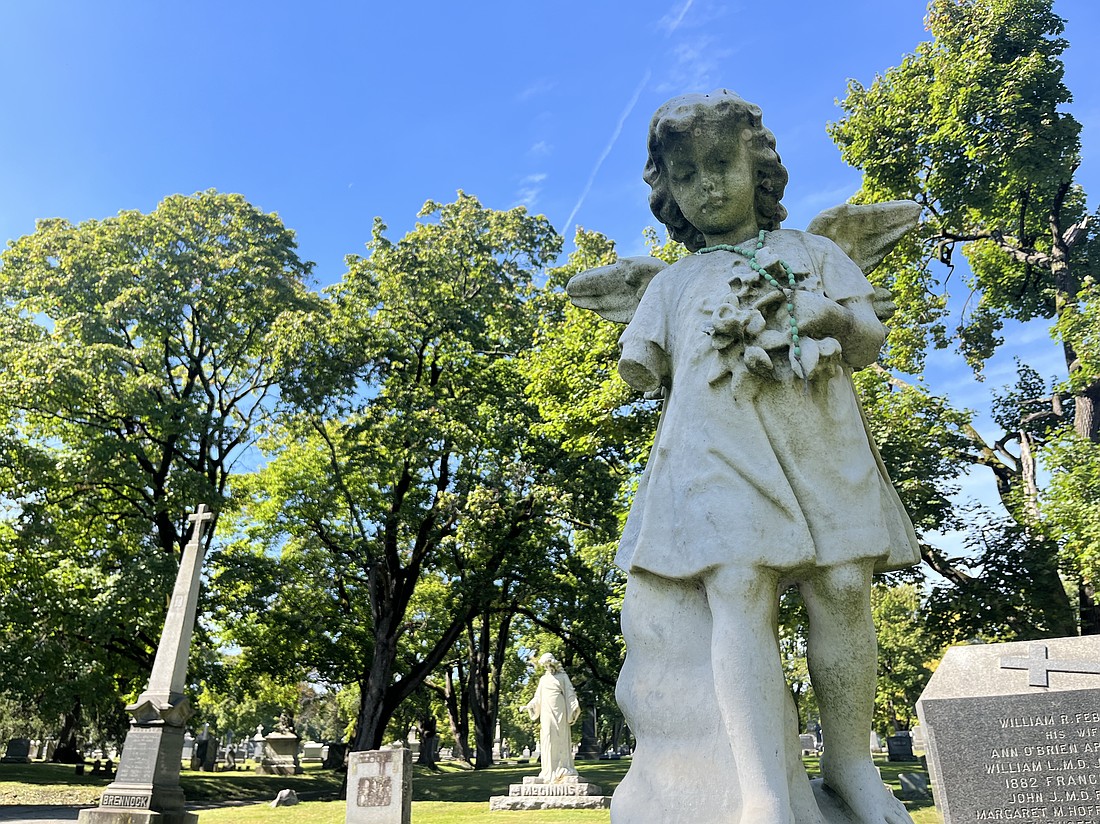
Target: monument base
[
  {"x": 280, "y": 755},
  {"x": 574, "y": 793},
  {"x": 278, "y": 769},
  {"x": 105, "y": 815}
]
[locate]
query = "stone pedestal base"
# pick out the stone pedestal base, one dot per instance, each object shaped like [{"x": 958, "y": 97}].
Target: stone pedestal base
[
  {"x": 102, "y": 815},
  {"x": 278, "y": 769},
  {"x": 574, "y": 793},
  {"x": 146, "y": 786}
]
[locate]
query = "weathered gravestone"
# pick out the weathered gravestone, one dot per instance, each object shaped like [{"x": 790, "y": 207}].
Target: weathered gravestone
[
  {"x": 18, "y": 752},
  {"x": 146, "y": 789},
  {"x": 917, "y": 736},
  {"x": 380, "y": 786},
  {"x": 1013, "y": 731},
  {"x": 210, "y": 757}
]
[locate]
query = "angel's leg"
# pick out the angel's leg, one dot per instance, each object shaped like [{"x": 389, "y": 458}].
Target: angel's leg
[
  {"x": 682, "y": 771},
  {"x": 749, "y": 685},
  {"x": 842, "y": 655}
]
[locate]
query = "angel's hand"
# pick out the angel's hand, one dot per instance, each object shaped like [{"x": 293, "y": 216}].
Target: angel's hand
[
  {"x": 883, "y": 303},
  {"x": 818, "y": 317}
]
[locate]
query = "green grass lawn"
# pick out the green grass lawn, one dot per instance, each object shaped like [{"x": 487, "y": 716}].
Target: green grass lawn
[{"x": 448, "y": 796}]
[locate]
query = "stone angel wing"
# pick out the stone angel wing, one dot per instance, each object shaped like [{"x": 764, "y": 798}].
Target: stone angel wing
[
  {"x": 614, "y": 291},
  {"x": 866, "y": 233}
]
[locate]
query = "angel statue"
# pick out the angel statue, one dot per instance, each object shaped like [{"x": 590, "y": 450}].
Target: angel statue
[{"x": 762, "y": 476}]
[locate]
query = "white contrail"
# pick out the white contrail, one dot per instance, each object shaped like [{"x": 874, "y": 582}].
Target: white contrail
[
  {"x": 607, "y": 150},
  {"x": 675, "y": 24}
]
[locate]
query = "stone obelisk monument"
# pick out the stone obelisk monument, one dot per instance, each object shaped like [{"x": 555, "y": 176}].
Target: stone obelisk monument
[{"x": 146, "y": 789}]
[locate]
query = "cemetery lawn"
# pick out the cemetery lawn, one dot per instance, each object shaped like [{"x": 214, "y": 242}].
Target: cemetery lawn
[
  {"x": 448, "y": 796},
  {"x": 40, "y": 783}
]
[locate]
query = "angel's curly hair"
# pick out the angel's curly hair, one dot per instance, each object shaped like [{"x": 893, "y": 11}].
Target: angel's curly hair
[{"x": 676, "y": 117}]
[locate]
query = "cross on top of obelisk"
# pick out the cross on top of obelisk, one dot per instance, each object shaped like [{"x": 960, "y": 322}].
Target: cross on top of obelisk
[{"x": 199, "y": 519}]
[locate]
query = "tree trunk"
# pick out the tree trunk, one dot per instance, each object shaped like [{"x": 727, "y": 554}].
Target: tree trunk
[
  {"x": 480, "y": 708},
  {"x": 458, "y": 712},
  {"x": 1090, "y": 610},
  {"x": 370, "y": 726},
  {"x": 68, "y": 744},
  {"x": 486, "y": 667}
]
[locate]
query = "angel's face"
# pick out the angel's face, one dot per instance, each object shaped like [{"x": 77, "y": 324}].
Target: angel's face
[{"x": 712, "y": 178}]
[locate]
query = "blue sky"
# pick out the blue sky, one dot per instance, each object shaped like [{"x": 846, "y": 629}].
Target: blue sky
[{"x": 331, "y": 113}]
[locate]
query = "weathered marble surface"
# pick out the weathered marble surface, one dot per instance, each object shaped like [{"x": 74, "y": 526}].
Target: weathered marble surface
[
  {"x": 566, "y": 793},
  {"x": 763, "y": 475},
  {"x": 380, "y": 786}
]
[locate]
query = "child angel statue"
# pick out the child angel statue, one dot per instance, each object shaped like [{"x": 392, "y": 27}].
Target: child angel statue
[{"x": 762, "y": 476}]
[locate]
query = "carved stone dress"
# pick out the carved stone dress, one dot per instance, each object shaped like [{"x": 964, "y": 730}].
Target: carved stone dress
[{"x": 751, "y": 469}]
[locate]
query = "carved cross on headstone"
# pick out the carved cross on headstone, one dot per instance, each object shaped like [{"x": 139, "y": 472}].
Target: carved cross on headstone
[{"x": 1039, "y": 666}]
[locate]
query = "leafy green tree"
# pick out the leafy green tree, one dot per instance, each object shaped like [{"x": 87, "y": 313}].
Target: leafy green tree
[
  {"x": 135, "y": 367},
  {"x": 906, "y": 652},
  {"x": 413, "y": 477},
  {"x": 971, "y": 126}
]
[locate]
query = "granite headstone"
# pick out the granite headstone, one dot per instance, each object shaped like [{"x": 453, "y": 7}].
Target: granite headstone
[
  {"x": 1013, "y": 731},
  {"x": 18, "y": 751},
  {"x": 900, "y": 747}
]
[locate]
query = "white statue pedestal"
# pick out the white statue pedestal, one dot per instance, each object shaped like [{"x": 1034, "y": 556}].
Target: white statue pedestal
[{"x": 571, "y": 793}]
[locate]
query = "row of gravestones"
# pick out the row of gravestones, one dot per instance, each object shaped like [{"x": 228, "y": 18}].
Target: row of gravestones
[
  {"x": 203, "y": 754},
  {"x": 210, "y": 755},
  {"x": 26, "y": 750}
]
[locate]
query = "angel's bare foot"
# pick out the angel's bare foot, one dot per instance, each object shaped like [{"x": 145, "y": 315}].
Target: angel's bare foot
[{"x": 860, "y": 785}]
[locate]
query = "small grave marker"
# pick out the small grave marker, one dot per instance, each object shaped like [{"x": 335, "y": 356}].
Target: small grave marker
[{"x": 380, "y": 786}]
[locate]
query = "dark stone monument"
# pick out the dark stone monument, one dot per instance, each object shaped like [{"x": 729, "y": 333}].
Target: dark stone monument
[
  {"x": 900, "y": 747},
  {"x": 589, "y": 748},
  {"x": 335, "y": 757},
  {"x": 1013, "y": 731},
  {"x": 18, "y": 752},
  {"x": 146, "y": 789},
  {"x": 210, "y": 757}
]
